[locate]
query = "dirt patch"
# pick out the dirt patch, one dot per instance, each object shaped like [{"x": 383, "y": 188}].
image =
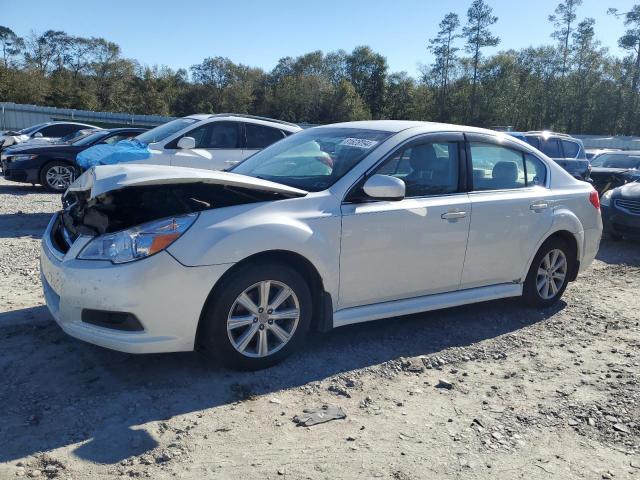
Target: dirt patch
[{"x": 494, "y": 390}]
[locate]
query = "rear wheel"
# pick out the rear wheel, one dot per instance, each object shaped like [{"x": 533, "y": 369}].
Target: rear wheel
[
  {"x": 57, "y": 176},
  {"x": 259, "y": 317},
  {"x": 549, "y": 274}
]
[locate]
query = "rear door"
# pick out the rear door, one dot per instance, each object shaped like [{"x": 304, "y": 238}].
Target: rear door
[
  {"x": 511, "y": 211},
  {"x": 218, "y": 146},
  {"x": 257, "y": 137}
]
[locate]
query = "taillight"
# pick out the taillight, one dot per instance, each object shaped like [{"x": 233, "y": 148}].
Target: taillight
[{"x": 594, "y": 199}]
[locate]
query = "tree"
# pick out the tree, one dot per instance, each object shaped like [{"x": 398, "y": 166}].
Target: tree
[
  {"x": 630, "y": 42},
  {"x": 367, "y": 71},
  {"x": 11, "y": 45},
  {"x": 563, "y": 18},
  {"x": 479, "y": 18},
  {"x": 445, "y": 55}
]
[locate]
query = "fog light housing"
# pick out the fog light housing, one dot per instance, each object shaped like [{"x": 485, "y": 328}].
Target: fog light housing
[{"x": 114, "y": 320}]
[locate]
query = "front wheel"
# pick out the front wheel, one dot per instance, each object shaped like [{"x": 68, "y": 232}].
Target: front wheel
[
  {"x": 57, "y": 176},
  {"x": 549, "y": 274},
  {"x": 260, "y": 315}
]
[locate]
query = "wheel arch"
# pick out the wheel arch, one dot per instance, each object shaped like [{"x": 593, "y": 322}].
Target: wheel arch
[
  {"x": 322, "y": 317},
  {"x": 51, "y": 160},
  {"x": 574, "y": 241}
]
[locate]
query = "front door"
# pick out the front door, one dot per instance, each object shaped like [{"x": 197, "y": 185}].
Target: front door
[
  {"x": 218, "y": 147},
  {"x": 393, "y": 250}
]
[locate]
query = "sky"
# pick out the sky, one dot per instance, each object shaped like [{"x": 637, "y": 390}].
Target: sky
[{"x": 259, "y": 33}]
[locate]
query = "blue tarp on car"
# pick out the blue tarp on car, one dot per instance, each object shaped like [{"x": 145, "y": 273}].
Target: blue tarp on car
[{"x": 123, "y": 151}]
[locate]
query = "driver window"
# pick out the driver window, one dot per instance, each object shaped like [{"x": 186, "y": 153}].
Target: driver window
[{"x": 426, "y": 169}]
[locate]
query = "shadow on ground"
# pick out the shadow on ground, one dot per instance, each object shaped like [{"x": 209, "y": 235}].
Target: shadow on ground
[
  {"x": 57, "y": 391},
  {"x": 624, "y": 251},
  {"x": 15, "y": 225}
]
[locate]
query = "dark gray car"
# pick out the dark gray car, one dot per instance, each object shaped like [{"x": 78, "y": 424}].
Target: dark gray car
[{"x": 565, "y": 150}]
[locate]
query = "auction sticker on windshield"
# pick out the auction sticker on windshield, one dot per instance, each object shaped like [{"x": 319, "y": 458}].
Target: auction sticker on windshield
[{"x": 358, "y": 143}]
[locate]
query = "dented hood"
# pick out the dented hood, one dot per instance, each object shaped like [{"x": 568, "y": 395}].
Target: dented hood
[{"x": 106, "y": 178}]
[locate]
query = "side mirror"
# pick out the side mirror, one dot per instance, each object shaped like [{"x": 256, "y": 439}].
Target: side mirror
[
  {"x": 384, "y": 187},
  {"x": 37, "y": 135},
  {"x": 186, "y": 143}
]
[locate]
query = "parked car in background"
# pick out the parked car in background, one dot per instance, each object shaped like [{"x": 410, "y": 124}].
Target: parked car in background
[
  {"x": 614, "y": 169},
  {"x": 565, "y": 150},
  {"x": 213, "y": 142},
  {"x": 594, "y": 152},
  {"x": 332, "y": 226},
  {"x": 621, "y": 211},
  {"x": 45, "y": 131},
  {"x": 54, "y": 165},
  {"x": 37, "y": 141}
]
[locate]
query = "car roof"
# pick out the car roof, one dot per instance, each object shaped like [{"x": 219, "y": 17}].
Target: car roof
[
  {"x": 396, "y": 126},
  {"x": 126, "y": 129},
  {"x": 622, "y": 152},
  {"x": 71, "y": 123},
  {"x": 288, "y": 126}
]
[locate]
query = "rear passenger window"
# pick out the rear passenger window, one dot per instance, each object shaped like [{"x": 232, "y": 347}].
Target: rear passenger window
[
  {"x": 536, "y": 170},
  {"x": 571, "y": 149},
  {"x": 496, "y": 167},
  {"x": 550, "y": 147},
  {"x": 258, "y": 136}
]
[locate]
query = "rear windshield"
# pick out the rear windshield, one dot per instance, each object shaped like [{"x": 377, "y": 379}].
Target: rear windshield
[
  {"x": 608, "y": 160},
  {"x": 165, "y": 130}
]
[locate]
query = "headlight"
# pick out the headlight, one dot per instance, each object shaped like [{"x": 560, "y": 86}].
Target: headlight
[
  {"x": 137, "y": 242},
  {"x": 19, "y": 158},
  {"x": 605, "y": 200}
]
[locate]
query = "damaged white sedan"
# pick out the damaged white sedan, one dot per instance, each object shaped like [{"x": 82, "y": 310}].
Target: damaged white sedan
[{"x": 332, "y": 226}]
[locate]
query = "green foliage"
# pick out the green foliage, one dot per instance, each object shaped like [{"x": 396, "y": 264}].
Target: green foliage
[{"x": 574, "y": 85}]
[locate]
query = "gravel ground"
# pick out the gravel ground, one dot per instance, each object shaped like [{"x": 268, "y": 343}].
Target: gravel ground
[{"x": 494, "y": 390}]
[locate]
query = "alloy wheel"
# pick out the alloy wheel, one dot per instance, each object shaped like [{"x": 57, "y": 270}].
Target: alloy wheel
[
  {"x": 552, "y": 273},
  {"x": 59, "y": 177},
  {"x": 263, "y": 318}
]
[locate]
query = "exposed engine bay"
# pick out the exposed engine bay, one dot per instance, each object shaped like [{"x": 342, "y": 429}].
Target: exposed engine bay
[{"x": 120, "y": 209}]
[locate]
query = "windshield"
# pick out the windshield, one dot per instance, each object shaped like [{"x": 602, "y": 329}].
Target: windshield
[
  {"x": 608, "y": 160},
  {"x": 28, "y": 130},
  {"x": 165, "y": 130},
  {"x": 88, "y": 138},
  {"x": 314, "y": 159}
]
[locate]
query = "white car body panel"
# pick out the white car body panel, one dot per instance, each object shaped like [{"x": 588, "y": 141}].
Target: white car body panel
[
  {"x": 389, "y": 250},
  {"x": 375, "y": 259}
]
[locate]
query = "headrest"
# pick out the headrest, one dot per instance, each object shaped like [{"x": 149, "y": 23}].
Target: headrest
[{"x": 506, "y": 172}]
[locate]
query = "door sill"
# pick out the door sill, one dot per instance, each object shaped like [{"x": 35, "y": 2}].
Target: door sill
[{"x": 426, "y": 303}]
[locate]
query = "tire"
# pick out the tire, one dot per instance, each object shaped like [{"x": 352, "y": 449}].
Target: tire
[
  {"x": 56, "y": 176},
  {"x": 544, "y": 297},
  {"x": 224, "y": 342}
]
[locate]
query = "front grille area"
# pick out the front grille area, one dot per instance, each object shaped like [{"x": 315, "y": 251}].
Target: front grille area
[{"x": 629, "y": 206}]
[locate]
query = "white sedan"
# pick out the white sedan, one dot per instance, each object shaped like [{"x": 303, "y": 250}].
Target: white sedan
[{"x": 335, "y": 225}]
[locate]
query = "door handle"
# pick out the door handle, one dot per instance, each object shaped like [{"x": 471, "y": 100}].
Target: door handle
[
  {"x": 539, "y": 205},
  {"x": 453, "y": 215}
]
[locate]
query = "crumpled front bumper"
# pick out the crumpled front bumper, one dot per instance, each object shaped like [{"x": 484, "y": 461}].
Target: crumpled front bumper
[{"x": 165, "y": 296}]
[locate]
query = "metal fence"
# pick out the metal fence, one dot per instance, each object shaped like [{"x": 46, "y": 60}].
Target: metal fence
[{"x": 14, "y": 116}]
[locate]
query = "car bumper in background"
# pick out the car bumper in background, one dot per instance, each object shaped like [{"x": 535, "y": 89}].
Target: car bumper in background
[
  {"x": 15, "y": 174},
  {"x": 165, "y": 297},
  {"x": 620, "y": 223}
]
